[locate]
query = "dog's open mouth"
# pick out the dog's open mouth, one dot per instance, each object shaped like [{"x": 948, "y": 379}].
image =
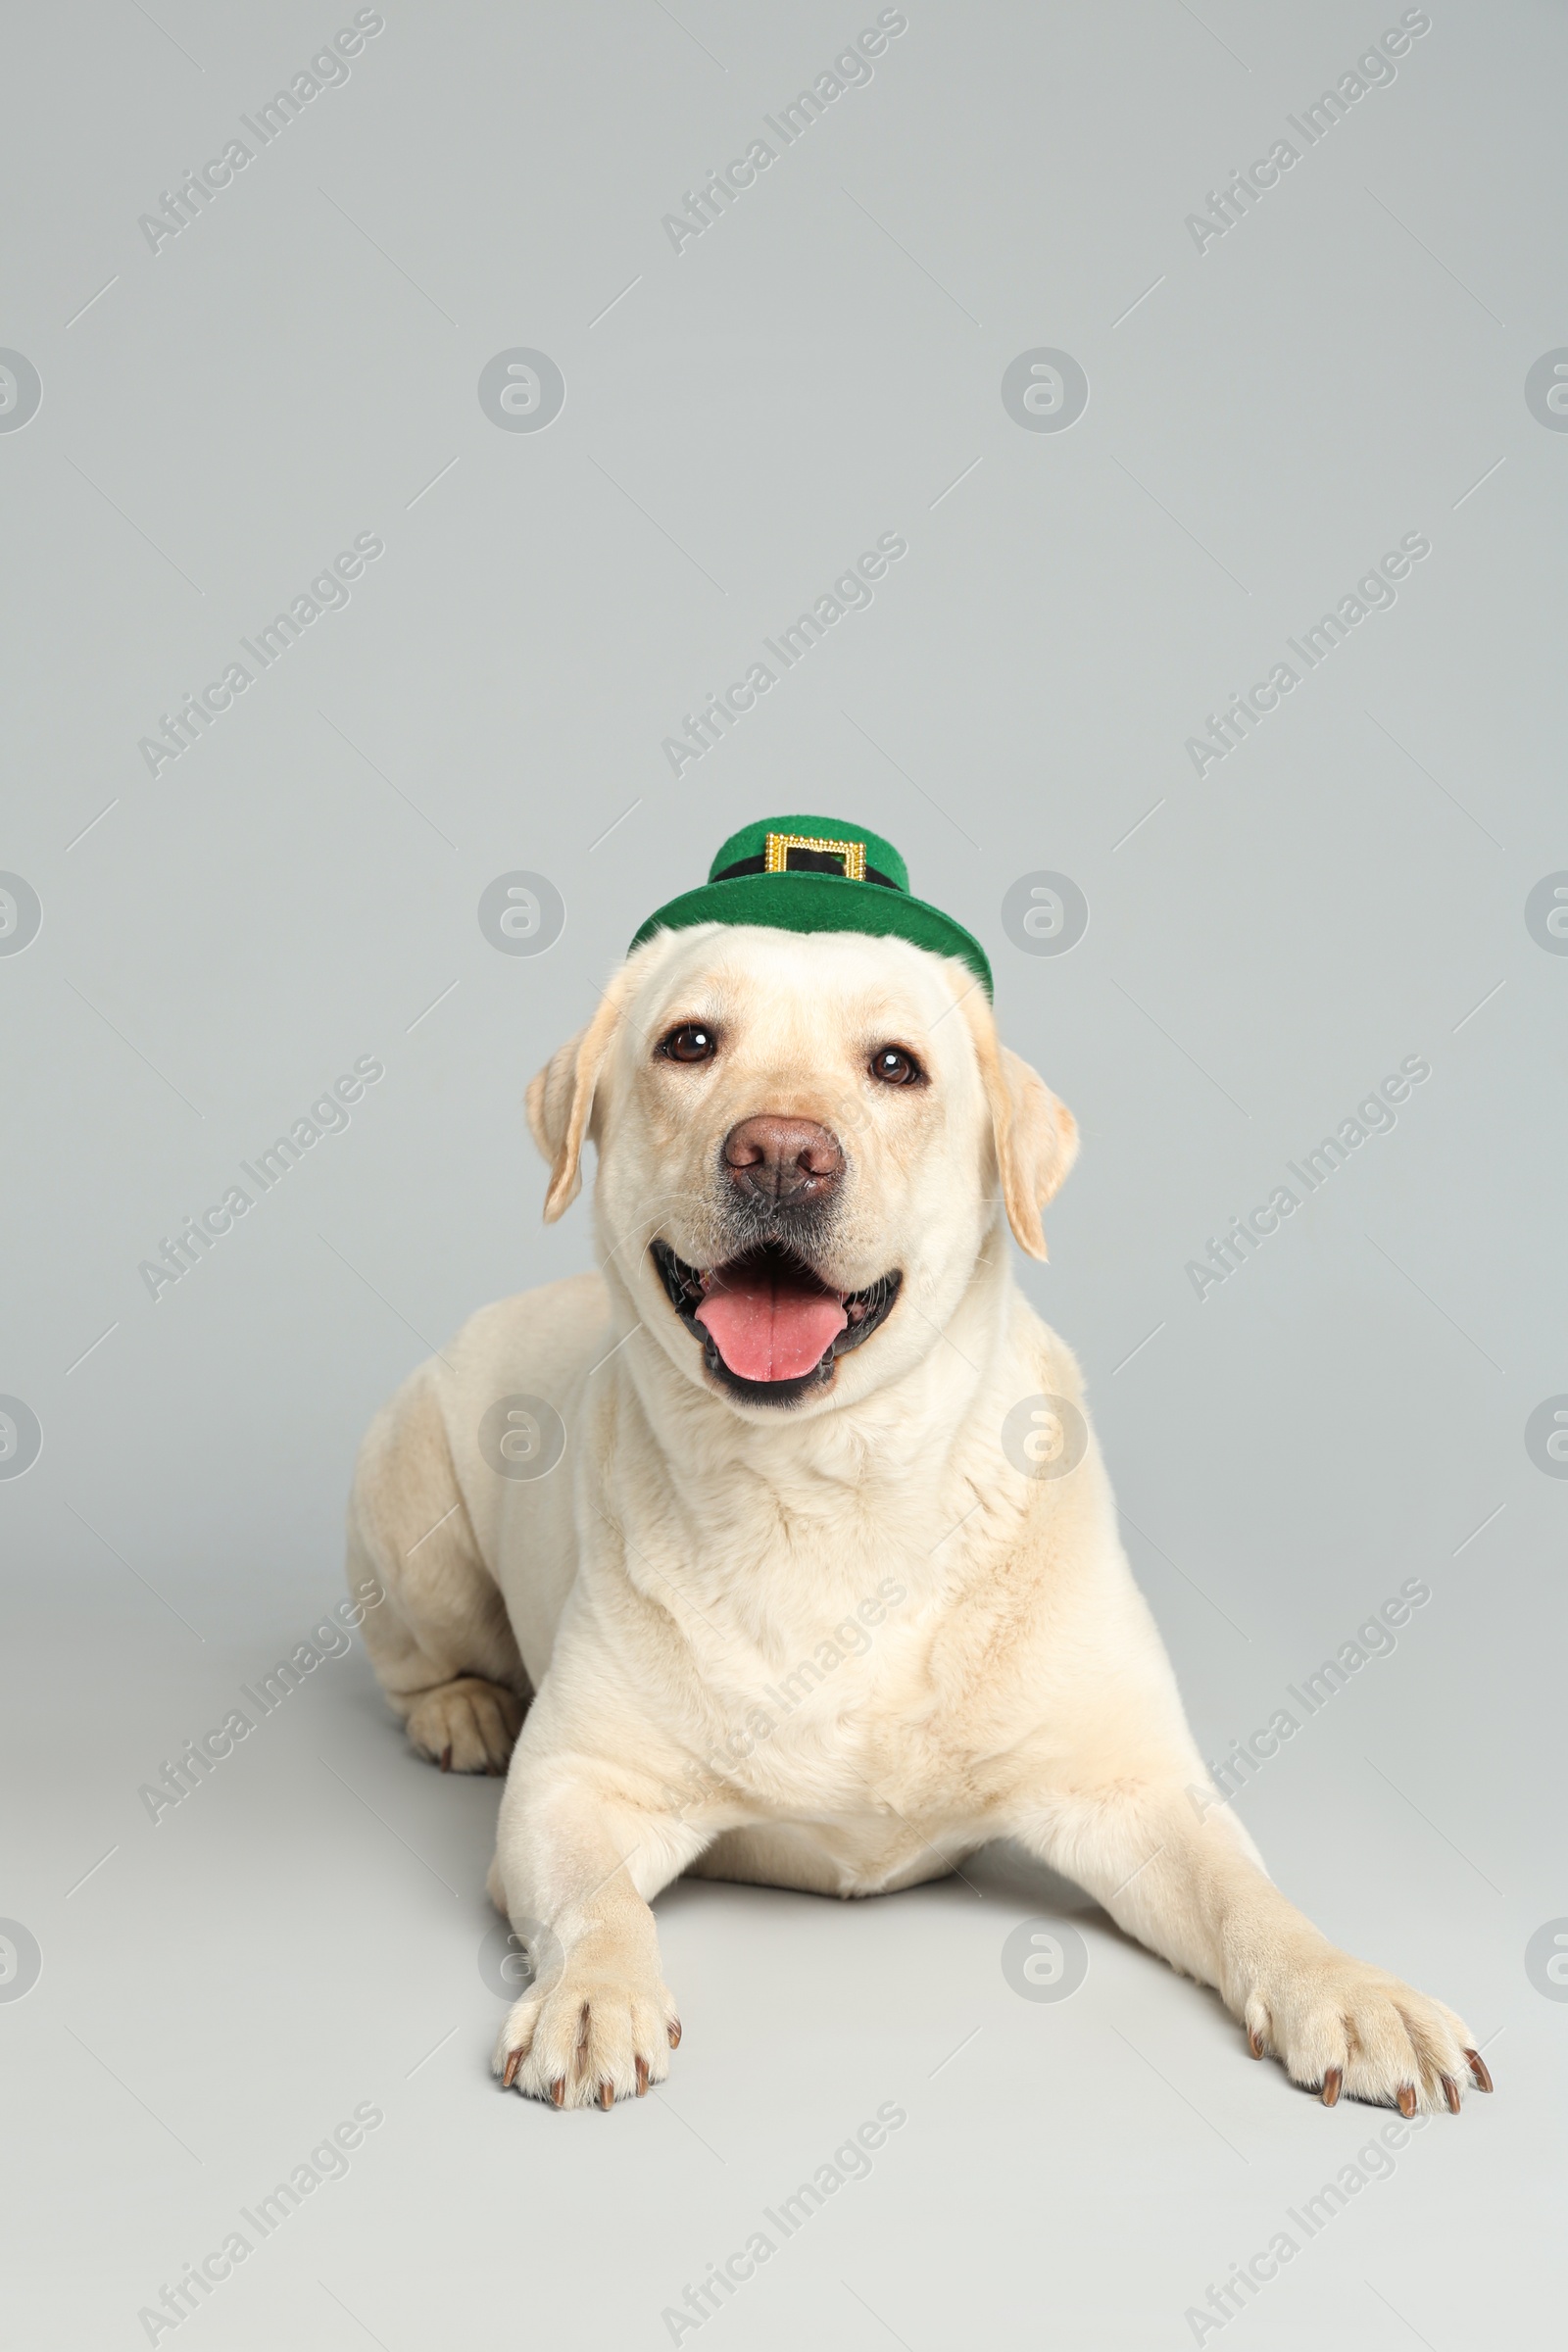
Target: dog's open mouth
[{"x": 770, "y": 1327}]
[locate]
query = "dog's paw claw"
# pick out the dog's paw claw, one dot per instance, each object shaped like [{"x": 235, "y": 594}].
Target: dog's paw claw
[{"x": 1478, "y": 2071}]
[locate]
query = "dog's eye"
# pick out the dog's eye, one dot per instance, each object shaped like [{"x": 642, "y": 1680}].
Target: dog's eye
[
  {"x": 689, "y": 1040},
  {"x": 895, "y": 1068}
]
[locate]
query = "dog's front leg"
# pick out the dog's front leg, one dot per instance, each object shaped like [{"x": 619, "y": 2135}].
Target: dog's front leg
[
  {"x": 583, "y": 1846},
  {"x": 1174, "y": 1867}
]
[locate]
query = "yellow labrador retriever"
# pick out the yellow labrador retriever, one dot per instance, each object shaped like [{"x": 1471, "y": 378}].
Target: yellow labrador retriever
[{"x": 782, "y": 1538}]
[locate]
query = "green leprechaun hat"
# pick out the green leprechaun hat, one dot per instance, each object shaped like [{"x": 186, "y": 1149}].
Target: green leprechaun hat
[{"x": 815, "y": 873}]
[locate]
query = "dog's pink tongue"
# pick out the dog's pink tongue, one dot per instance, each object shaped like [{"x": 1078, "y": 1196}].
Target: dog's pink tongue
[{"x": 768, "y": 1325}]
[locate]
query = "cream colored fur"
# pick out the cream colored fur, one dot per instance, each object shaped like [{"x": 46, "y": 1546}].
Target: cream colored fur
[{"x": 692, "y": 1553}]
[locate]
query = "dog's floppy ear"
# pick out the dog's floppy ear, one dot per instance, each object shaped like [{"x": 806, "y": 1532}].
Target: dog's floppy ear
[
  {"x": 1036, "y": 1137},
  {"x": 561, "y": 1098}
]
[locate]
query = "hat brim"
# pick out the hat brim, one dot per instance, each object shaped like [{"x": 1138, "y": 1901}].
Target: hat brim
[{"x": 797, "y": 902}]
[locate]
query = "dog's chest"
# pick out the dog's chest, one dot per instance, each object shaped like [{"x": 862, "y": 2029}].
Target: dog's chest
[
  {"x": 814, "y": 1692},
  {"x": 814, "y": 1625}
]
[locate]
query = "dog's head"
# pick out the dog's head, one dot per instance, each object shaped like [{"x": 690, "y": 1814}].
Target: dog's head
[{"x": 802, "y": 1145}]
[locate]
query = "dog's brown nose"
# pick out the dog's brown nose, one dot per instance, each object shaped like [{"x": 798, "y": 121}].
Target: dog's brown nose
[{"x": 791, "y": 1162}]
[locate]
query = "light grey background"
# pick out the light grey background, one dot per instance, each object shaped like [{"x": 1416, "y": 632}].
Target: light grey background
[{"x": 1266, "y": 418}]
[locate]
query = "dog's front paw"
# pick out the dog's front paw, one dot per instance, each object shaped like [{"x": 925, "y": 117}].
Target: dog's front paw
[
  {"x": 465, "y": 1726},
  {"x": 597, "y": 2032},
  {"x": 1339, "y": 2025}
]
